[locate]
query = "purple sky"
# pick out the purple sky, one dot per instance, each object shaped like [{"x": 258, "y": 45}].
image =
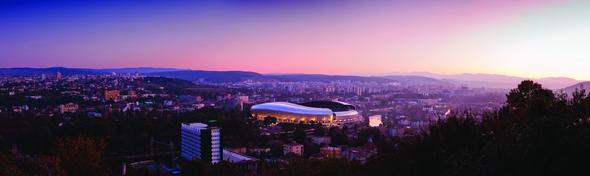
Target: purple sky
[{"x": 524, "y": 38}]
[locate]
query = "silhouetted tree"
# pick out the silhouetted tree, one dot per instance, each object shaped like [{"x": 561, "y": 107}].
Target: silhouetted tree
[
  {"x": 300, "y": 135},
  {"x": 8, "y": 166},
  {"x": 80, "y": 156},
  {"x": 536, "y": 133},
  {"x": 196, "y": 167}
]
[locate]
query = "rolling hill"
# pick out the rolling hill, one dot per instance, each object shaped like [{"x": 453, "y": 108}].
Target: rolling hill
[
  {"x": 497, "y": 80},
  {"x": 208, "y": 76},
  {"x": 583, "y": 85},
  {"x": 411, "y": 79},
  {"x": 25, "y": 71},
  {"x": 420, "y": 80}
]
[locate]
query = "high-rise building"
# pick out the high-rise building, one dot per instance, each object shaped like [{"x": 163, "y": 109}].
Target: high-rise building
[{"x": 200, "y": 141}]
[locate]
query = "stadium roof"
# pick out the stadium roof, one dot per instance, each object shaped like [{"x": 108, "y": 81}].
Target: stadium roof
[{"x": 292, "y": 108}]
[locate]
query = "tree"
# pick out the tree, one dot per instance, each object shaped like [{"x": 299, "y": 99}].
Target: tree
[
  {"x": 300, "y": 135},
  {"x": 321, "y": 167},
  {"x": 196, "y": 167},
  {"x": 8, "y": 166},
  {"x": 530, "y": 96},
  {"x": 536, "y": 133},
  {"x": 80, "y": 156},
  {"x": 319, "y": 130},
  {"x": 338, "y": 136}
]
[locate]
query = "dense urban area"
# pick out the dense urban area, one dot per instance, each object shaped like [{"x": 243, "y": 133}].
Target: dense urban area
[{"x": 134, "y": 124}]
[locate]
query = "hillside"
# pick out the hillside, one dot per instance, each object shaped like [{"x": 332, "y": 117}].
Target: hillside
[
  {"x": 208, "y": 76},
  {"x": 496, "y": 80},
  {"x": 411, "y": 79},
  {"x": 322, "y": 78},
  {"x": 557, "y": 82},
  {"x": 420, "y": 80},
  {"x": 25, "y": 71},
  {"x": 572, "y": 88}
]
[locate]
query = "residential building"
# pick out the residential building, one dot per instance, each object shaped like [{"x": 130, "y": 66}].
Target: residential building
[
  {"x": 331, "y": 152},
  {"x": 68, "y": 108},
  {"x": 319, "y": 140},
  {"x": 294, "y": 148},
  {"x": 112, "y": 95},
  {"x": 361, "y": 154}
]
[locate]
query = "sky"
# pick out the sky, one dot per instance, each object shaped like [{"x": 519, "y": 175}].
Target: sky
[{"x": 540, "y": 38}]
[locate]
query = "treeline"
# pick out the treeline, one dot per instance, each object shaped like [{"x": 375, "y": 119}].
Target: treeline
[
  {"x": 68, "y": 156},
  {"x": 29, "y": 141},
  {"x": 537, "y": 132}
]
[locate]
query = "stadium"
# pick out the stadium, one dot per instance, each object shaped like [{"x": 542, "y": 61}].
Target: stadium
[{"x": 326, "y": 112}]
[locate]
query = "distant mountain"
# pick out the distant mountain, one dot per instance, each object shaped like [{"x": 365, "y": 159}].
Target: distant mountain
[
  {"x": 25, "y": 71},
  {"x": 478, "y": 79},
  {"x": 496, "y": 80},
  {"x": 77, "y": 71},
  {"x": 420, "y": 80},
  {"x": 557, "y": 82},
  {"x": 190, "y": 75},
  {"x": 417, "y": 78},
  {"x": 141, "y": 70},
  {"x": 487, "y": 77},
  {"x": 572, "y": 88},
  {"x": 235, "y": 76},
  {"x": 322, "y": 78},
  {"x": 208, "y": 76}
]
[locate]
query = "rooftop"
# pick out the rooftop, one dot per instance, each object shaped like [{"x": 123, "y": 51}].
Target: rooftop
[{"x": 293, "y": 108}]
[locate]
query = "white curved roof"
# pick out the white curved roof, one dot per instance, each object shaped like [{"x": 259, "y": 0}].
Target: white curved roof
[
  {"x": 292, "y": 108},
  {"x": 343, "y": 103},
  {"x": 346, "y": 113}
]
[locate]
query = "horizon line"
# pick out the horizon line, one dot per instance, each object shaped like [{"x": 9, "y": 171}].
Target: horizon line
[{"x": 412, "y": 73}]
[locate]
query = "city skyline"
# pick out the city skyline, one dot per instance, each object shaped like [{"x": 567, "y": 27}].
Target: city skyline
[
  {"x": 529, "y": 38},
  {"x": 294, "y": 87}
]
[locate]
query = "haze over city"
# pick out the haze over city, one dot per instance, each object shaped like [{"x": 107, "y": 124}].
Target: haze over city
[{"x": 528, "y": 38}]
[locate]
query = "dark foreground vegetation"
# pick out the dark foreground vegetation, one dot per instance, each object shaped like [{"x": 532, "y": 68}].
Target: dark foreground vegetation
[{"x": 537, "y": 132}]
